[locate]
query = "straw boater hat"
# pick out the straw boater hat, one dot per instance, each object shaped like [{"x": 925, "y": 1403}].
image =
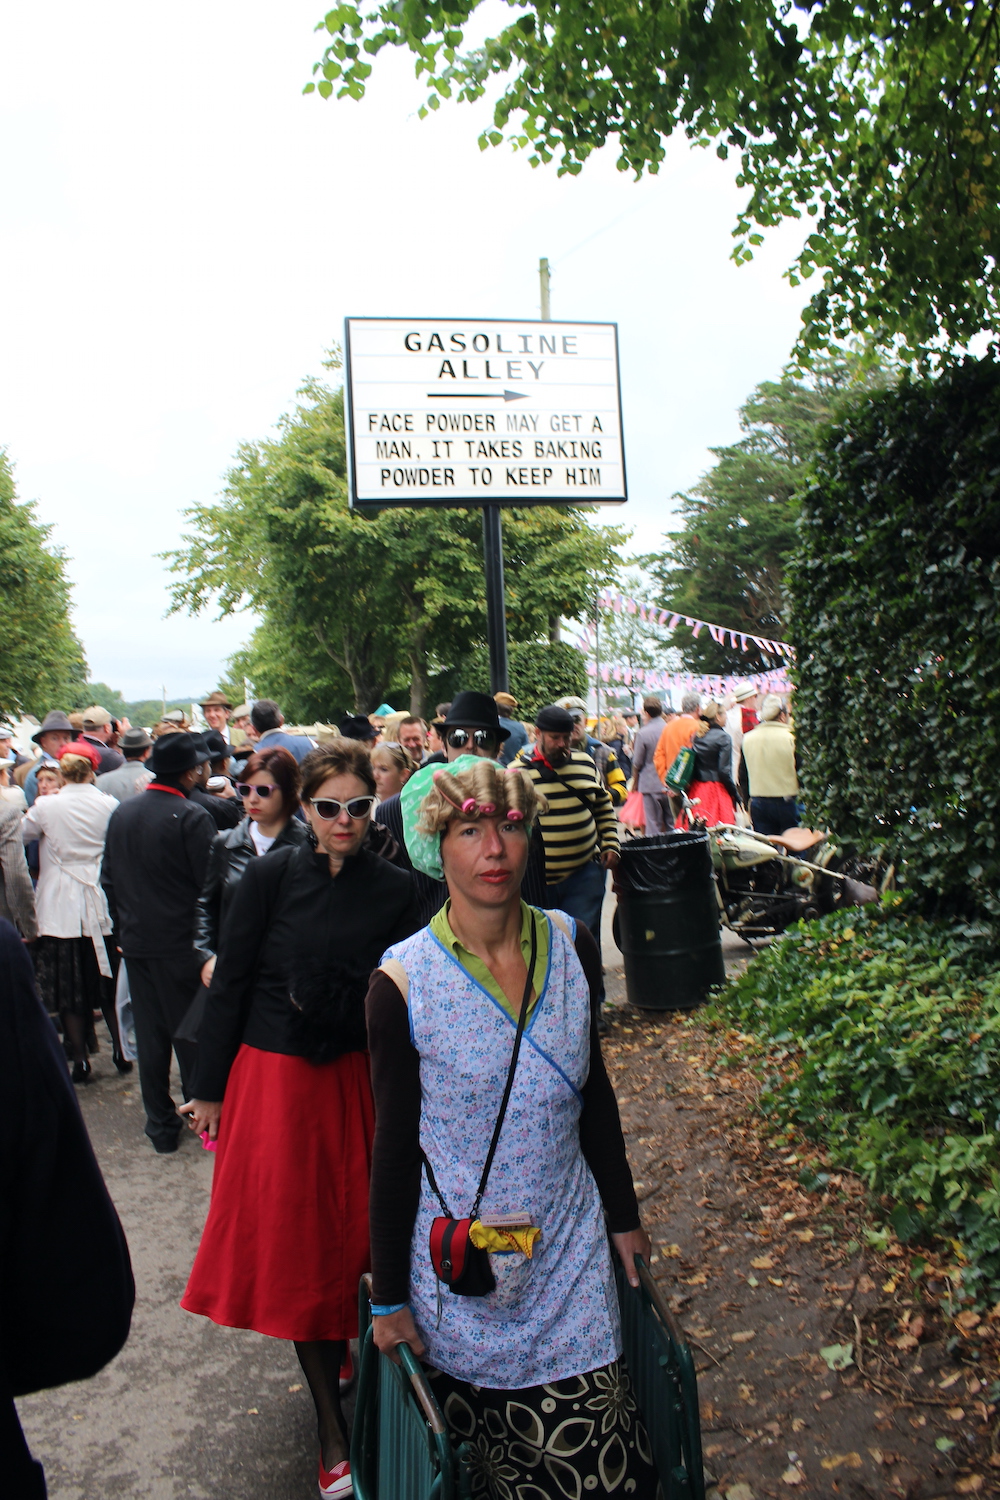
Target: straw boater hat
[{"x": 743, "y": 691}]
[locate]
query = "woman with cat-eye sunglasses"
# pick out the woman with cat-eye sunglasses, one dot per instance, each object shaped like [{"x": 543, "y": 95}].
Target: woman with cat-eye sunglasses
[{"x": 281, "y": 1083}]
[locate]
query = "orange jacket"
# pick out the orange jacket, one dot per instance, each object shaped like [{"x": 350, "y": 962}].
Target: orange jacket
[{"x": 678, "y": 732}]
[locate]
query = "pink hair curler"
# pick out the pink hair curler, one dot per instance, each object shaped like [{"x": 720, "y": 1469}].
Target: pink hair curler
[
  {"x": 515, "y": 815},
  {"x": 469, "y": 805},
  {"x": 487, "y": 809}
]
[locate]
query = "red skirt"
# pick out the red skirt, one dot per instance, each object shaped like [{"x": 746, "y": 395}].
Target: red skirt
[
  {"x": 286, "y": 1239},
  {"x": 714, "y": 804}
]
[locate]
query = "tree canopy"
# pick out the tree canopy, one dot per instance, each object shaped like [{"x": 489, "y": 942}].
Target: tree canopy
[
  {"x": 358, "y": 606},
  {"x": 41, "y": 661},
  {"x": 727, "y": 561},
  {"x": 874, "y": 119}
]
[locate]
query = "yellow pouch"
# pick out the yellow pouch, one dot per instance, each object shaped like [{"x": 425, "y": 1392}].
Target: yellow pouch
[{"x": 503, "y": 1239}]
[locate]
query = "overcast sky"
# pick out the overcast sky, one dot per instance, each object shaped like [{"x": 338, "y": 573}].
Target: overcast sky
[{"x": 182, "y": 234}]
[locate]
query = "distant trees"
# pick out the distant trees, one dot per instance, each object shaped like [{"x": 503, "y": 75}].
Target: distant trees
[
  {"x": 726, "y": 562},
  {"x": 357, "y": 608},
  {"x": 42, "y": 664}
]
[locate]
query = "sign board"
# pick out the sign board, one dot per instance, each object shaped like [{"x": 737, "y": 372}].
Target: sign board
[{"x": 483, "y": 411}]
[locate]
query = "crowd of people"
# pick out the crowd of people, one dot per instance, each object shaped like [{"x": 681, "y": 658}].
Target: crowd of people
[{"x": 341, "y": 937}]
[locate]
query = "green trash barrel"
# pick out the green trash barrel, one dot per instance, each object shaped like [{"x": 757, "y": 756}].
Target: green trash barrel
[{"x": 667, "y": 923}]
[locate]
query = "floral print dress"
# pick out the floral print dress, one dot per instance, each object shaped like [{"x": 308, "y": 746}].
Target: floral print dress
[{"x": 530, "y": 1375}]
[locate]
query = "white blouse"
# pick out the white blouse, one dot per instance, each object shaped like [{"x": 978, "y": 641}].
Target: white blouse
[{"x": 71, "y": 827}]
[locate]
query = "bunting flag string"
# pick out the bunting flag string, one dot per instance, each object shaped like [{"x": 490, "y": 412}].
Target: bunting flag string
[
  {"x": 652, "y": 615},
  {"x": 710, "y": 685}
]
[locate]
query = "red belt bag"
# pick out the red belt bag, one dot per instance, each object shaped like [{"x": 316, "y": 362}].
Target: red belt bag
[{"x": 461, "y": 1265}]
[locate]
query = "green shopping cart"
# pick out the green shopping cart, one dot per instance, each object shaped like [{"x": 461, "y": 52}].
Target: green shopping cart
[{"x": 401, "y": 1450}]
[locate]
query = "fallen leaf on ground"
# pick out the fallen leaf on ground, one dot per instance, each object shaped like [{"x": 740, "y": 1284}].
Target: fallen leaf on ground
[
  {"x": 950, "y": 1380},
  {"x": 969, "y": 1484},
  {"x": 955, "y": 1413},
  {"x": 744, "y": 1337},
  {"x": 762, "y": 1263},
  {"x": 837, "y": 1356},
  {"x": 740, "y": 1492},
  {"x": 793, "y": 1475},
  {"x": 698, "y": 1279},
  {"x": 842, "y": 1461},
  {"x": 292, "y": 1388},
  {"x": 670, "y": 1251},
  {"x": 804, "y": 1236}
]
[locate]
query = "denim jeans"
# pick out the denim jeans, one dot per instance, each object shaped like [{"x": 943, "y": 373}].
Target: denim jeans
[
  {"x": 581, "y": 895},
  {"x": 773, "y": 814}
]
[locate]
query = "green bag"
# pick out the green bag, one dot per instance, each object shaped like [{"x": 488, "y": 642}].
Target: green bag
[{"x": 681, "y": 773}]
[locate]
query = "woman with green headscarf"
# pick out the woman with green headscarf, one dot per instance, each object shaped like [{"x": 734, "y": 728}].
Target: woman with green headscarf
[{"x": 484, "y": 1024}]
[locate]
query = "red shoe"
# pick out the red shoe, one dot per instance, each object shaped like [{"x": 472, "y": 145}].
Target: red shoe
[
  {"x": 347, "y": 1372},
  {"x": 336, "y": 1483}
]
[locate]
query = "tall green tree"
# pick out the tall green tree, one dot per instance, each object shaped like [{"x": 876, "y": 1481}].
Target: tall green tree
[
  {"x": 354, "y": 604},
  {"x": 42, "y": 664},
  {"x": 727, "y": 561},
  {"x": 875, "y": 119}
]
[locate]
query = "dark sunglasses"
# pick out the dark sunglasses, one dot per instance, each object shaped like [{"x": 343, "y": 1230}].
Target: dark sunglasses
[
  {"x": 482, "y": 737},
  {"x": 328, "y": 809},
  {"x": 243, "y": 789}
]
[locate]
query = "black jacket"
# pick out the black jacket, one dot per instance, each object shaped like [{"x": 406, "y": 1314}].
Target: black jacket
[
  {"x": 223, "y": 811},
  {"x": 229, "y": 856},
  {"x": 295, "y": 956},
  {"x": 713, "y": 759},
  {"x": 155, "y": 859},
  {"x": 66, "y": 1289}
]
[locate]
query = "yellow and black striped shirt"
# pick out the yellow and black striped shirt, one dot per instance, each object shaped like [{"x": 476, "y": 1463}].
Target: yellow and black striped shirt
[{"x": 572, "y": 828}]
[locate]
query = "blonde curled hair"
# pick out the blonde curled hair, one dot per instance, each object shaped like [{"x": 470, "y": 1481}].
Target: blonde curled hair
[
  {"x": 711, "y": 716},
  {"x": 76, "y": 768},
  {"x": 484, "y": 790}
]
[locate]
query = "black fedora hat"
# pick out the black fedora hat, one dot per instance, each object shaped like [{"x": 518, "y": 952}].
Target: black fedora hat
[
  {"x": 173, "y": 754},
  {"x": 357, "y": 727},
  {"x": 475, "y": 711}
]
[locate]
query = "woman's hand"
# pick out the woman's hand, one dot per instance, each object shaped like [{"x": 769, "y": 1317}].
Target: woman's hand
[
  {"x": 207, "y": 970},
  {"x": 630, "y": 1244},
  {"x": 203, "y": 1114},
  {"x": 397, "y": 1328}
]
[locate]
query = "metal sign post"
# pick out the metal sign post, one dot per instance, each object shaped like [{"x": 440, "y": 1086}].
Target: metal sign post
[{"x": 481, "y": 412}]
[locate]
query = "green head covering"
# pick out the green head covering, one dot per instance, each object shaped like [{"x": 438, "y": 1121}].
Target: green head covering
[{"x": 424, "y": 849}]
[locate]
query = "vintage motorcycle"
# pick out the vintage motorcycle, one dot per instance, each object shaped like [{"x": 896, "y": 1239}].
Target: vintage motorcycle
[{"x": 766, "y": 882}]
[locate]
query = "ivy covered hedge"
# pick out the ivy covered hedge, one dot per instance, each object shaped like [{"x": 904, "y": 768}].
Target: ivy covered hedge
[
  {"x": 895, "y": 610},
  {"x": 878, "y": 1035}
]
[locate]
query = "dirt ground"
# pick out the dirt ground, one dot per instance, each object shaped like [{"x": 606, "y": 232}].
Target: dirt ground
[{"x": 774, "y": 1284}]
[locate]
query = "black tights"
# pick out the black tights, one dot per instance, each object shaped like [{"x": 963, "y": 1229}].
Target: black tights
[{"x": 321, "y": 1362}]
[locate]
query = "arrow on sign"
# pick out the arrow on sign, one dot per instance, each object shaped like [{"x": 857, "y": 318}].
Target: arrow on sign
[{"x": 480, "y": 395}]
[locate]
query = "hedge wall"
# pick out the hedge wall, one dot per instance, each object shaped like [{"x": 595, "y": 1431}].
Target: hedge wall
[{"x": 895, "y": 616}]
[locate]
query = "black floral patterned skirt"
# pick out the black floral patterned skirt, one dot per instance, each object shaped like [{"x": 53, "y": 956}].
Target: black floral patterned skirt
[
  {"x": 68, "y": 976},
  {"x": 575, "y": 1438}
]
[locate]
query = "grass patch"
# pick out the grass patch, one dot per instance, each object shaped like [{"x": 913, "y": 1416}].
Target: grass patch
[{"x": 877, "y": 1034}]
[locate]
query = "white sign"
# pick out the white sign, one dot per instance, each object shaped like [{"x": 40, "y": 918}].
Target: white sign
[{"x": 483, "y": 411}]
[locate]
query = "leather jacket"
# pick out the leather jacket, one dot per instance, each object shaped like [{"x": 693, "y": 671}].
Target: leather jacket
[
  {"x": 713, "y": 760},
  {"x": 228, "y": 857}
]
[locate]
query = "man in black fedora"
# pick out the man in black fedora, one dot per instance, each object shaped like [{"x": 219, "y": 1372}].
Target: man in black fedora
[
  {"x": 471, "y": 727},
  {"x": 155, "y": 860}
]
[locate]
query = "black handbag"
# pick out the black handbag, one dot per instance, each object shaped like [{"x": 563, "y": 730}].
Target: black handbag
[{"x": 461, "y": 1265}]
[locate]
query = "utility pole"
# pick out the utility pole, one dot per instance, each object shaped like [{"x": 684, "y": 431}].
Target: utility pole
[
  {"x": 597, "y": 659},
  {"x": 496, "y": 614}
]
